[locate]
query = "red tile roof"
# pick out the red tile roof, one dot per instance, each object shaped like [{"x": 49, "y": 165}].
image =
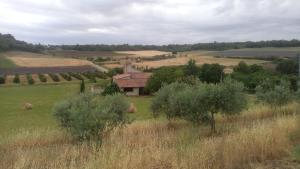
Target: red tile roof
[{"x": 133, "y": 79}]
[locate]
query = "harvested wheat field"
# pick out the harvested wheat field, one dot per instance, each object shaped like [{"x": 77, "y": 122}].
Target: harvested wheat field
[
  {"x": 143, "y": 53},
  {"x": 48, "y": 62},
  {"x": 227, "y": 62}
]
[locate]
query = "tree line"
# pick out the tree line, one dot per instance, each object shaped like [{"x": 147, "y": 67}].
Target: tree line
[
  {"x": 216, "y": 46},
  {"x": 8, "y": 42}
]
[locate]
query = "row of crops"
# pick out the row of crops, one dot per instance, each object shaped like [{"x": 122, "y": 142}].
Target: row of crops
[{"x": 43, "y": 78}]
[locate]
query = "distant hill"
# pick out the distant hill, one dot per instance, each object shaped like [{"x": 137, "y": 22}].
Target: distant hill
[
  {"x": 215, "y": 46},
  {"x": 8, "y": 42}
]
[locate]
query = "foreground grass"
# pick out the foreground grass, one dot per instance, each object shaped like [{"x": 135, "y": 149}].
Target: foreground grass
[
  {"x": 6, "y": 63},
  {"x": 152, "y": 145}
]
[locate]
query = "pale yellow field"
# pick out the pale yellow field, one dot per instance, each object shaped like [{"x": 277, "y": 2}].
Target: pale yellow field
[
  {"x": 113, "y": 65},
  {"x": 48, "y": 62},
  {"x": 227, "y": 62},
  {"x": 143, "y": 53}
]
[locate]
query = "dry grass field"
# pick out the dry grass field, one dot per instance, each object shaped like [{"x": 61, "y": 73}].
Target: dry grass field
[
  {"x": 227, "y": 62},
  {"x": 152, "y": 144},
  {"x": 143, "y": 53},
  {"x": 113, "y": 65}
]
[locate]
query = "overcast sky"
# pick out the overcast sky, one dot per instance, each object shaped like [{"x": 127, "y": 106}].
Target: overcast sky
[{"x": 149, "y": 21}]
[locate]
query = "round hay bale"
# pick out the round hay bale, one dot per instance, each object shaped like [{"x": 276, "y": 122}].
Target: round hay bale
[
  {"x": 132, "y": 108},
  {"x": 28, "y": 106}
]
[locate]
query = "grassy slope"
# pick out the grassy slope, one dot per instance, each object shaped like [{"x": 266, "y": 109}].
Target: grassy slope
[
  {"x": 6, "y": 63},
  {"x": 43, "y": 97}
]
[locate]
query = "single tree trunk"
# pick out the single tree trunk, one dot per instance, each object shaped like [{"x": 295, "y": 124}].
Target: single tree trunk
[{"x": 213, "y": 123}]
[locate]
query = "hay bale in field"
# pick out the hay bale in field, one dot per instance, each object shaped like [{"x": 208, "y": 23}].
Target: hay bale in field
[
  {"x": 28, "y": 106},
  {"x": 132, "y": 108}
]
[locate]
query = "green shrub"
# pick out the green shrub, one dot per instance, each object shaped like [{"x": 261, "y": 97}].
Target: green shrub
[
  {"x": 42, "y": 78},
  {"x": 2, "y": 79},
  {"x": 67, "y": 77},
  {"x": 112, "y": 88},
  {"x": 76, "y": 75},
  {"x": 29, "y": 79},
  {"x": 89, "y": 117},
  {"x": 16, "y": 78},
  {"x": 54, "y": 77},
  {"x": 114, "y": 71},
  {"x": 275, "y": 95},
  {"x": 191, "y": 68},
  {"x": 288, "y": 67}
]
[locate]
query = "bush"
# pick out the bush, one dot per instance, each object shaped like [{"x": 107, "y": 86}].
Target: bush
[
  {"x": 114, "y": 71},
  {"x": 2, "y": 79},
  {"x": 191, "y": 68},
  {"x": 67, "y": 77},
  {"x": 42, "y": 78},
  {"x": 288, "y": 67},
  {"x": 112, "y": 88},
  {"x": 29, "y": 79},
  {"x": 275, "y": 96},
  {"x": 89, "y": 117},
  {"x": 76, "y": 75},
  {"x": 54, "y": 77},
  {"x": 16, "y": 78}
]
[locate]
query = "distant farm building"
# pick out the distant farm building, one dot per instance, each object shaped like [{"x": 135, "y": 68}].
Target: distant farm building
[{"x": 132, "y": 83}]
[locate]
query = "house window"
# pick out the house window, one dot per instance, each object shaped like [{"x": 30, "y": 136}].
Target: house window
[{"x": 128, "y": 89}]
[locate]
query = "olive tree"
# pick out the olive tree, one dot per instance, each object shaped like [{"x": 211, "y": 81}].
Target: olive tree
[
  {"x": 161, "y": 102},
  {"x": 226, "y": 98},
  {"x": 199, "y": 103},
  {"x": 89, "y": 117}
]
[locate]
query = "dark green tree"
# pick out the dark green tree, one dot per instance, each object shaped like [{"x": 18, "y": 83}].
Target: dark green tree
[
  {"x": 82, "y": 86},
  {"x": 164, "y": 75},
  {"x": 211, "y": 73},
  {"x": 191, "y": 68}
]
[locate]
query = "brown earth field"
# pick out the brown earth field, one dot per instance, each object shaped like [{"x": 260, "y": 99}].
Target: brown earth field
[
  {"x": 80, "y": 54},
  {"x": 43, "y": 70}
]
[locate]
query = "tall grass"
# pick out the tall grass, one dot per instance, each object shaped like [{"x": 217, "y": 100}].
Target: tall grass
[{"x": 152, "y": 145}]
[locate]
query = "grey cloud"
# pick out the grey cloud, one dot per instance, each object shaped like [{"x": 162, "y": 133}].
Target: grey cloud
[{"x": 149, "y": 21}]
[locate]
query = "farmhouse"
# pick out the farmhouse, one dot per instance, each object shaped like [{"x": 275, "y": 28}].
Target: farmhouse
[{"x": 132, "y": 83}]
